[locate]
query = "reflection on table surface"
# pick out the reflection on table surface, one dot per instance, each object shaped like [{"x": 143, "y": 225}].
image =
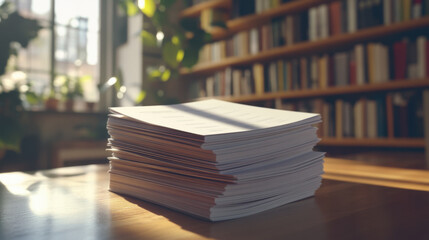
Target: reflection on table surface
[{"x": 74, "y": 203}]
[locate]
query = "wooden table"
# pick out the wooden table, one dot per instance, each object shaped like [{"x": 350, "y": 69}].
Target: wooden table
[{"x": 74, "y": 203}]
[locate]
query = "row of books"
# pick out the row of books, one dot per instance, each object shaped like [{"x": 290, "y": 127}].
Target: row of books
[
  {"x": 212, "y": 17},
  {"x": 353, "y": 13},
  {"x": 350, "y": 15},
  {"x": 319, "y": 22},
  {"x": 397, "y": 114},
  {"x": 229, "y": 82},
  {"x": 215, "y": 16},
  {"x": 363, "y": 64},
  {"x": 252, "y": 6},
  {"x": 242, "y": 8},
  {"x": 282, "y": 31}
]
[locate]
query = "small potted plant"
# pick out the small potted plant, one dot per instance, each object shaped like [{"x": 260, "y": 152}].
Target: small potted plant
[
  {"x": 72, "y": 89},
  {"x": 51, "y": 101}
]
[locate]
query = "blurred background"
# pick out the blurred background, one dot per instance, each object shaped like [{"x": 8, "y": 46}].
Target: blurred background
[
  {"x": 53, "y": 97},
  {"x": 64, "y": 63}
]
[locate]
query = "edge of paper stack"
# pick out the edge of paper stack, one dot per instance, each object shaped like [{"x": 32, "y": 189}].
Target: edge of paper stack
[{"x": 213, "y": 159}]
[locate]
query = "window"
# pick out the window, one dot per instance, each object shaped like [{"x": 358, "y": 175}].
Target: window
[{"x": 74, "y": 46}]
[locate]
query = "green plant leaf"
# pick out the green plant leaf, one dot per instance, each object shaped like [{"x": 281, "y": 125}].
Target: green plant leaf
[
  {"x": 160, "y": 19},
  {"x": 165, "y": 75},
  {"x": 167, "y": 3},
  {"x": 182, "y": 37},
  {"x": 28, "y": 28},
  {"x": 154, "y": 73},
  {"x": 132, "y": 9},
  {"x": 148, "y": 39},
  {"x": 149, "y": 8},
  {"x": 180, "y": 55},
  {"x": 140, "y": 97},
  {"x": 175, "y": 40},
  {"x": 169, "y": 53},
  {"x": 195, "y": 43},
  {"x": 190, "y": 24},
  {"x": 190, "y": 57},
  {"x": 32, "y": 97}
]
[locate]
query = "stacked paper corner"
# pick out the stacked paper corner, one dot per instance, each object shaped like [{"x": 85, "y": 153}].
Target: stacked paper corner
[{"x": 213, "y": 159}]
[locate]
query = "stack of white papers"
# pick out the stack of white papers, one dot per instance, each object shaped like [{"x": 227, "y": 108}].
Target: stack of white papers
[{"x": 213, "y": 159}]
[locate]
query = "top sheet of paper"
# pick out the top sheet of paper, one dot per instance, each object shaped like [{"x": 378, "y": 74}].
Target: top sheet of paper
[{"x": 215, "y": 117}]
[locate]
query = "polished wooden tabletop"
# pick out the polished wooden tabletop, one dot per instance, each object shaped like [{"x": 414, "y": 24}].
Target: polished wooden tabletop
[{"x": 74, "y": 203}]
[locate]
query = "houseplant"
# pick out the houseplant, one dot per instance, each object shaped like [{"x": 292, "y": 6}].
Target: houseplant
[
  {"x": 13, "y": 29},
  {"x": 72, "y": 89},
  {"x": 178, "y": 40}
]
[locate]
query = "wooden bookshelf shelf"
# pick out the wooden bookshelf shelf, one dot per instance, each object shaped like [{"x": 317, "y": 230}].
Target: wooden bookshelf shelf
[
  {"x": 250, "y": 21},
  {"x": 333, "y": 91},
  {"x": 387, "y": 46},
  {"x": 374, "y": 142},
  {"x": 299, "y": 49},
  {"x": 196, "y": 10}
]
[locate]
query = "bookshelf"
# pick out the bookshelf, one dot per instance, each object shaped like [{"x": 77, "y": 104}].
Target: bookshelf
[
  {"x": 332, "y": 91},
  {"x": 246, "y": 22},
  {"x": 304, "y": 48},
  {"x": 328, "y": 45}
]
